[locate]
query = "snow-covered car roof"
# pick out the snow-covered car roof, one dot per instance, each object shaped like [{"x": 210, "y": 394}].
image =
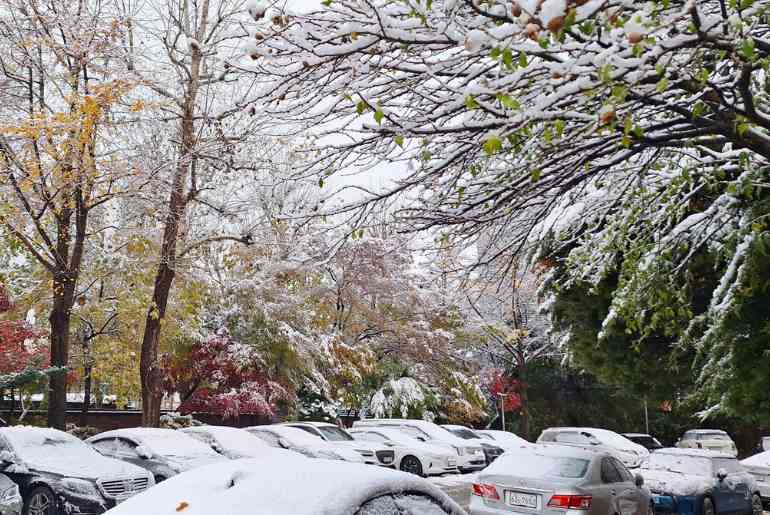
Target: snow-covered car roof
[
  {"x": 696, "y": 453},
  {"x": 705, "y": 431},
  {"x": 294, "y": 435},
  {"x": 163, "y": 441},
  {"x": 636, "y": 435},
  {"x": 29, "y": 435},
  {"x": 281, "y": 487},
  {"x": 314, "y": 424},
  {"x": 758, "y": 460},
  {"x": 456, "y": 426}
]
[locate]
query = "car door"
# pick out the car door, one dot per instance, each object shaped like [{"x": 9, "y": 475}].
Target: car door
[
  {"x": 727, "y": 496},
  {"x": 629, "y": 498},
  {"x": 604, "y": 488}
]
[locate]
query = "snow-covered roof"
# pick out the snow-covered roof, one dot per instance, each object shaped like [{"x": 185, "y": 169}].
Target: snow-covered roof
[
  {"x": 318, "y": 487},
  {"x": 705, "y": 431},
  {"x": 697, "y": 453},
  {"x": 161, "y": 441},
  {"x": 233, "y": 438},
  {"x": 636, "y": 435},
  {"x": 456, "y": 426}
]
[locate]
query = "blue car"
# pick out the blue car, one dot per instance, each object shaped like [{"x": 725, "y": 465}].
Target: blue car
[{"x": 700, "y": 482}]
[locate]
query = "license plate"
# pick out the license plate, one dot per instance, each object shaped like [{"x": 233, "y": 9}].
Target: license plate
[
  {"x": 520, "y": 499},
  {"x": 387, "y": 459}
]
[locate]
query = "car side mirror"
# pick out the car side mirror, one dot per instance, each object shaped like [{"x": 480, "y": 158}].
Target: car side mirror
[
  {"x": 639, "y": 481},
  {"x": 143, "y": 452},
  {"x": 6, "y": 459},
  {"x": 283, "y": 443},
  {"x": 721, "y": 474},
  {"x": 421, "y": 438}
]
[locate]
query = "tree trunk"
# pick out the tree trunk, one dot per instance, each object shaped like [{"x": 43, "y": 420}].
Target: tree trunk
[
  {"x": 63, "y": 300},
  {"x": 149, "y": 366}
]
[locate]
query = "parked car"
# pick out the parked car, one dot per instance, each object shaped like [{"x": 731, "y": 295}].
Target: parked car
[
  {"x": 764, "y": 443},
  {"x": 647, "y": 441},
  {"x": 280, "y": 487},
  {"x": 504, "y": 439},
  {"x": 709, "y": 439},
  {"x": 56, "y": 473},
  {"x": 469, "y": 457},
  {"x": 163, "y": 452},
  {"x": 230, "y": 442},
  {"x": 297, "y": 440},
  {"x": 759, "y": 467},
  {"x": 491, "y": 451},
  {"x": 552, "y": 479},
  {"x": 412, "y": 455},
  {"x": 373, "y": 453},
  {"x": 10, "y": 497},
  {"x": 702, "y": 482},
  {"x": 631, "y": 454}
]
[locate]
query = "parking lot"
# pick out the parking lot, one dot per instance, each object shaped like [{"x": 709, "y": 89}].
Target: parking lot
[{"x": 457, "y": 486}]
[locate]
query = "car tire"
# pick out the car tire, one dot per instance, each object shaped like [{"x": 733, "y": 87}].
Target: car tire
[
  {"x": 40, "y": 501},
  {"x": 412, "y": 465},
  {"x": 707, "y": 507},
  {"x": 756, "y": 505}
]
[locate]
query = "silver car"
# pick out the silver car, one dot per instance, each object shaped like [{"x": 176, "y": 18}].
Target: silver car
[
  {"x": 551, "y": 479},
  {"x": 759, "y": 467}
]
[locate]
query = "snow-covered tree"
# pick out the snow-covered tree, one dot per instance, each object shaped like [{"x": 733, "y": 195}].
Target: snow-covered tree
[{"x": 631, "y": 138}]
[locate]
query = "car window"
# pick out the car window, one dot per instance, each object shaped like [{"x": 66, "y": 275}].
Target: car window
[
  {"x": 548, "y": 436},
  {"x": 106, "y": 446},
  {"x": 731, "y": 465},
  {"x": 407, "y": 504},
  {"x": 713, "y": 436},
  {"x": 125, "y": 448},
  {"x": 609, "y": 472},
  {"x": 267, "y": 436},
  {"x": 625, "y": 475},
  {"x": 335, "y": 434},
  {"x": 572, "y": 437},
  {"x": 307, "y": 430}
]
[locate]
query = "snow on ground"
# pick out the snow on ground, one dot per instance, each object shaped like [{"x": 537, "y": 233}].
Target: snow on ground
[{"x": 453, "y": 480}]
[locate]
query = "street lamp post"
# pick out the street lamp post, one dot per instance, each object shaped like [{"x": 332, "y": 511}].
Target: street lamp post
[{"x": 502, "y": 406}]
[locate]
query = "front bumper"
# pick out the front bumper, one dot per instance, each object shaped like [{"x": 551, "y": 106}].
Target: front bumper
[
  {"x": 11, "y": 506},
  {"x": 681, "y": 504},
  {"x": 71, "y": 503}
]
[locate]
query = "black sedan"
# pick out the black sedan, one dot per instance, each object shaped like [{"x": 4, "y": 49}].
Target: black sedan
[{"x": 58, "y": 474}]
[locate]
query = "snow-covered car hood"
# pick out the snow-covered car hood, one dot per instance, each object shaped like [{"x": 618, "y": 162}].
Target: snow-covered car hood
[
  {"x": 98, "y": 467},
  {"x": 675, "y": 483},
  {"x": 758, "y": 462}
]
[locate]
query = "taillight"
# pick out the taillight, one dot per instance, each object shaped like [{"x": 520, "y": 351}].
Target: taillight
[
  {"x": 570, "y": 502},
  {"x": 486, "y": 491}
]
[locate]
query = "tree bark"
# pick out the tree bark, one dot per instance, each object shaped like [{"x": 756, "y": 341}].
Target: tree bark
[{"x": 59, "y": 319}]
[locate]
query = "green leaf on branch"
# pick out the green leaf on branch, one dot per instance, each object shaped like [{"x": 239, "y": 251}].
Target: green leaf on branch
[
  {"x": 471, "y": 103},
  {"x": 493, "y": 145}
]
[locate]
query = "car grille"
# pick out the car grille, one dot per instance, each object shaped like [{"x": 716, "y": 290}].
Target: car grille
[
  {"x": 122, "y": 488},
  {"x": 386, "y": 457}
]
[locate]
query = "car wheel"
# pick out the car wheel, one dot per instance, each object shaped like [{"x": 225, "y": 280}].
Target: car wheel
[
  {"x": 756, "y": 505},
  {"x": 708, "y": 506},
  {"x": 40, "y": 501},
  {"x": 412, "y": 465}
]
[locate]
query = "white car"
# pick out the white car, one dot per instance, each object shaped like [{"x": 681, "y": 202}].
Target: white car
[
  {"x": 504, "y": 439},
  {"x": 470, "y": 457},
  {"x": 759, "y": 467},
  {"x": 297, "y": 440},
  {"x": 632, "y": 455},
  {"x": 491, "y": 451},
  {"x": 230, "y": 442},
  {"x": 412, "y": 455},
  {"x": 709, "y": 439},
  {"x": 372, "y": 452},
  {"x": 280, "y": 486}
]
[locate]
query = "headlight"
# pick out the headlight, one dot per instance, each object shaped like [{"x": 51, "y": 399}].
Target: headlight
[
  {"x": 10, "y": 495},
  {"x": 80, "y": 486},
  {"x": 474, "y": 450},
  {"x": 460, "y": 450}
]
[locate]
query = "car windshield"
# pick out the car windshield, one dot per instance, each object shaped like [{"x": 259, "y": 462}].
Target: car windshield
[
  {"x": 540, "y": 466},
  {"x": 237, "y": 440},
  {"x": 335, "y": 434},
  {"x": 33, "y": 444},
  {"x": 690, "y": 465},
  {"x": 176, "y": 444},
  {"x": 413, "y": 432},
  {"x": 713, "y": 436},
  {"x": 463, "y": 433}
]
